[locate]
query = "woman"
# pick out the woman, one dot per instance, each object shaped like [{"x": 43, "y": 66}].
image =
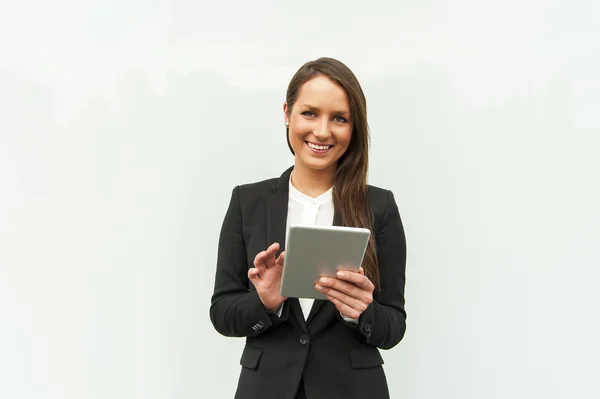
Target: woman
[{"x": 295, "y": 347}]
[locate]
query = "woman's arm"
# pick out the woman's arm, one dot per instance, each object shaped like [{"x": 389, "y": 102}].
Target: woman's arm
[
  {"x": 236, "y": 310},
  {"x": 381, "y": 316},
  {"x": 383, "y": 323}
]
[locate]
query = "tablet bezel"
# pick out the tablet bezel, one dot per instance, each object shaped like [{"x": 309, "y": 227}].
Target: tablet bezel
[{"x": 313, "y": 251}]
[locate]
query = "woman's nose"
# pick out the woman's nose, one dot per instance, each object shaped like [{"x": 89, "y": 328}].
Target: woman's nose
[{"x": 322, "y": 131}]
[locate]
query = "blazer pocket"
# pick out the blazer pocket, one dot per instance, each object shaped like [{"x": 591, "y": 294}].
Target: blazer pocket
[
  {"x": 251, "y": 357},
  {"x": 362, "y": 357}
]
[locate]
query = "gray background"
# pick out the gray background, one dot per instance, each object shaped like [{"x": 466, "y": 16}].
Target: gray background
[{"x": 124, "y": 125}]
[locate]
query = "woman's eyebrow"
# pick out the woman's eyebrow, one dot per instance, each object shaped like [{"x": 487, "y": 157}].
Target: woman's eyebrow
[{"x": 313, "y": 108}]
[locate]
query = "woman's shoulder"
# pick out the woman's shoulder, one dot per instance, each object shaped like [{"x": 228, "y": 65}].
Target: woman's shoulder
[
  {"x": 377, "y": 191},
  {"x": 380, "y": 199},
  {"x": 378, "y": 194},
  {"x": 259, "y": 185},
  {"x": 261, "y": 188}
]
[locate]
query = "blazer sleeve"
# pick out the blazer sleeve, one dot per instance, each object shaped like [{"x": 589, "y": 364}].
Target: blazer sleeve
[
  {"x": 383, "y": 323},
  {"x": 236, "y": 309}
]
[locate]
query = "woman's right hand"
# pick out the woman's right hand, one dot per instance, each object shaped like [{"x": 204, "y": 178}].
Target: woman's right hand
[{"x": 266, "y": 277}]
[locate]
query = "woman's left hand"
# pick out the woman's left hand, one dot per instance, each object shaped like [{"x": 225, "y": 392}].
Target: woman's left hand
[{"x": 350, "y": 292}]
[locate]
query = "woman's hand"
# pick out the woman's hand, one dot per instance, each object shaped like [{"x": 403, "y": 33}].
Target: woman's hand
[
  {"x": 266, "y": 277},
  {"x": 350, "y": 292}
]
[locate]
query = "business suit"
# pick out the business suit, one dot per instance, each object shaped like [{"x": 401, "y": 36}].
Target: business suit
[{"x": 332, "y": 357}]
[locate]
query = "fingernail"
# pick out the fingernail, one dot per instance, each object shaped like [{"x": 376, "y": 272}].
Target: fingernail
[
  {"x": 318, "y": 287},
  {"x": 341, "y": 274},
  {"x": 323, "y": 280}
]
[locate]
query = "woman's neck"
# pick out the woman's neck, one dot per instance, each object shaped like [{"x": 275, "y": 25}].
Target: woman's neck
[{"x": 312, "y": 182}]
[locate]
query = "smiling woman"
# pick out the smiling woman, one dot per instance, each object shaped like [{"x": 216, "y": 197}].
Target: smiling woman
[
  {"x": 297, "y": 347},
  {"x": 328, "y": 94},
  {"x": 319, "y": 129}
]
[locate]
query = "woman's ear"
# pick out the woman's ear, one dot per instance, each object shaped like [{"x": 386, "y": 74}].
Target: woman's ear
[
  {"x": 285, "y": 113},
  {"x": 287, "y": 127}
]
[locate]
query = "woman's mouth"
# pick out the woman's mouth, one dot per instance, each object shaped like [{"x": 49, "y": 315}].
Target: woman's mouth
[{"x": 319, "y": 149}]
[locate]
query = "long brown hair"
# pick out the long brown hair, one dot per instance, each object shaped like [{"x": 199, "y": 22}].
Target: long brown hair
[{"x": 350, "y": 181}]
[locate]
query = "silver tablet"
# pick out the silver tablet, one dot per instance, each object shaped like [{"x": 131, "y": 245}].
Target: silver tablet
[{"x": 314, "y": 251}]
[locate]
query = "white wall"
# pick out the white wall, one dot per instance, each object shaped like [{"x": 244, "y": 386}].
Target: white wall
[{"x": 124, "y": 126}]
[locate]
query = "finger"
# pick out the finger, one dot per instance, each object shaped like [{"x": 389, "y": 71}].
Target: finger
[
  {"x": 361, "y": 271},
  {"x": 253, "y": 274},
  {"x": 259, "y": 259},
  {"x": 360, "y": 280},
  {"x": 262, "y": 256},
  {"x": 273, "y": 248},
  {"x": 343, "y": 286},
  {"x": 281, "y": 259},
  {"x": 350, "y": 301},
  {"x": 270, "y": 255},
  {"x": 345, "y": 309}
]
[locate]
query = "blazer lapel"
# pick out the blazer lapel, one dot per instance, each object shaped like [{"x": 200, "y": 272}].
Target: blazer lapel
[
  {"x": 337, "y": 221},
  {"x": 277, "y": 209}
]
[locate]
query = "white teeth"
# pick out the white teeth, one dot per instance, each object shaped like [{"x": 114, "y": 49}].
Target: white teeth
[{"x": 318, "y": 147}]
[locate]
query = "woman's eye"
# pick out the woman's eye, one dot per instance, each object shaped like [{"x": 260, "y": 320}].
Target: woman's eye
[
  {"x": 341, "y": 119},
  {"x": 309, "y": 113}
]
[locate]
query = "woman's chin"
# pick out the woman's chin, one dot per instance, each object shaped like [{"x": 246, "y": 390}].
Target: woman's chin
[{"x": 313, "y": 164}]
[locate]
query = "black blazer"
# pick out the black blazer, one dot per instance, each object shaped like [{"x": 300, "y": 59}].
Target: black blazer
[{"x": 334, "y": 358}]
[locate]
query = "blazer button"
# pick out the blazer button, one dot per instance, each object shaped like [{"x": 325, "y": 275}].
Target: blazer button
[
  {"x": 367, "y": 327},
  {"x": 303, "y": 340}
]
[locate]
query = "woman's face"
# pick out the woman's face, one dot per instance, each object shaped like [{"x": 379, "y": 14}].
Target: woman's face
[{"x": 320, "y": 127}]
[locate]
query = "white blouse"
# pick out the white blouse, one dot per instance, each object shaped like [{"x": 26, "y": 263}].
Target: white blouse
[{"x": 303, "y": 209}]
